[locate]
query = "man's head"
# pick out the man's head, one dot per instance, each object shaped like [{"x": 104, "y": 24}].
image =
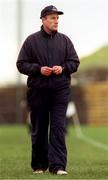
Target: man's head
[{"x": 49, "y": 16}]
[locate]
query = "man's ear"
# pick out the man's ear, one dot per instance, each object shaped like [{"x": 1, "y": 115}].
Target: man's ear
[{"x": 44, "y": 18}]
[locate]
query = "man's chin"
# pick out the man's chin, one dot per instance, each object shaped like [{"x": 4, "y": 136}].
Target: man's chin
[{"x": 54, "y": 29}]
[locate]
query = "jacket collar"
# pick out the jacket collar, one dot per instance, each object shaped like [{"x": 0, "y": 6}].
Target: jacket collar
[{"x": 45, "y": 34}]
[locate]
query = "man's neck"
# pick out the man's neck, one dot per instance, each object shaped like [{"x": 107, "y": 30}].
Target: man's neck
[{"x": 47, "y": 30}]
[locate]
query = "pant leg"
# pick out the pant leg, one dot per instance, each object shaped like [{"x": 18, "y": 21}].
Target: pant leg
[
  {"x": 39, "y": 130},
  {"x": 57, "y": 148}
]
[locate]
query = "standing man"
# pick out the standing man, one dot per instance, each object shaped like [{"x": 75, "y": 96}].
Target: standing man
[{"x": 48, "y": 58}]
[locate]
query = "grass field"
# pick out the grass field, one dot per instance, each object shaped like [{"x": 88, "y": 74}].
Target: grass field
[
  {"x": 84, "y": 160},
  {"x": 98, "y": 59}
]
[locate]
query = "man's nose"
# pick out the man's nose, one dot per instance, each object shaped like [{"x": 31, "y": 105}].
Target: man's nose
[{"x": 56, "y": 21}]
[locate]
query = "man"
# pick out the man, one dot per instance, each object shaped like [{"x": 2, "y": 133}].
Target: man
[{"x": 48, "y": 58}]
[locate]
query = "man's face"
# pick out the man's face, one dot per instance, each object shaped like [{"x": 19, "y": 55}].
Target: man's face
[{"x": 50, "y": 22}]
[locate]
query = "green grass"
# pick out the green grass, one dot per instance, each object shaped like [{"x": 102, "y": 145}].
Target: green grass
[
  {"x": 84, "y": 160},
  {"x": 98, "y": 59}
]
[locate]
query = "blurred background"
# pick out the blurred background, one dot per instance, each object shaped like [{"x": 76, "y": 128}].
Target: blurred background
[{"x": 86, "y": 23}]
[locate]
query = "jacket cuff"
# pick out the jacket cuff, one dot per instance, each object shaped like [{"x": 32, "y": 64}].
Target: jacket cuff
[{"x": 35, "y": 69}]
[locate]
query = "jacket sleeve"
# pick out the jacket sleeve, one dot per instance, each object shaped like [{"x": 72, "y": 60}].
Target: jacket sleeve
[
  {"x": 25, "y": 62},
  {"x": 71, "y": 61}
]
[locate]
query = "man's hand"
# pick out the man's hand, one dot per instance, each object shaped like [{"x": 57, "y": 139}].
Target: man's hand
[
  {"x": 46, "y": 71},
  {"x": 57, "y": 69}
]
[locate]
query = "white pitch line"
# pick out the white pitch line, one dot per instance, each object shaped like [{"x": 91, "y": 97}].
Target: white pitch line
[{"x": 83, "y": 137}]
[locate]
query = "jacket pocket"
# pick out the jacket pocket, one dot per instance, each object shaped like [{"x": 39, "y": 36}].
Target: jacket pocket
[{"x": 37, "y": 82}]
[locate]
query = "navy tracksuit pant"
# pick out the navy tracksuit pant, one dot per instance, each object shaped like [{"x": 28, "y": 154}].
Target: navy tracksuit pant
[{"x": 48, "y": 120}]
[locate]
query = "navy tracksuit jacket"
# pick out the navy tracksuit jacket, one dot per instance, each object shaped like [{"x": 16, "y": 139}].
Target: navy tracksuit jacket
[{"x": 48, "y": 96}]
